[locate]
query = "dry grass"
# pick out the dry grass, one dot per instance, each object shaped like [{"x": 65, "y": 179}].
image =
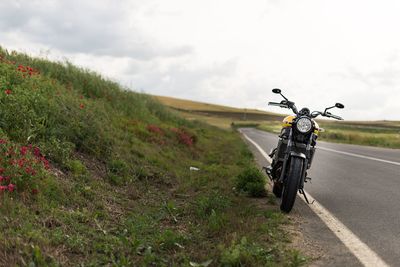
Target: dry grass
[{"x": 189, "y": 105}]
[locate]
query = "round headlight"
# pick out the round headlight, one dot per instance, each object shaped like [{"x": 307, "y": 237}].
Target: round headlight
[{"x": 304, "y": 125}]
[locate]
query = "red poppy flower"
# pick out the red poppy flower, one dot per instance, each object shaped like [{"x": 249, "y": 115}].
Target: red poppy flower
[
  {"x": 11, "y": 187},
  {"x": 24, "y": 150},
  {"x": 82, "y": 106},
  {"x": 8, "y": 92},
  {"x": 36, "y": 151}
]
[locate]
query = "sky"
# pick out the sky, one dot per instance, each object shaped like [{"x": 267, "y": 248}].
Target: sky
[{"x": 230, "y": 52}]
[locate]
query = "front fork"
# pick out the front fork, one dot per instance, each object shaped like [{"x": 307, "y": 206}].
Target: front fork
[{"x": 289, "y": 153}]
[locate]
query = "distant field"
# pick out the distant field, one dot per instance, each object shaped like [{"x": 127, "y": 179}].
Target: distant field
[
  {"x": 200, "y": 106},
  {"x": 372, "y": 133},
  {"x": 217, "y": 115}
]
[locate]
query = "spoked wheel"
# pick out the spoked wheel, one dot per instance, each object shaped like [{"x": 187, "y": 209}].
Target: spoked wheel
[{"x": 291, "y": 184}]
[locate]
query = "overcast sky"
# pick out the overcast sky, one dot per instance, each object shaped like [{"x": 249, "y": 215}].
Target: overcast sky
[{"x": 223, "y": 51}]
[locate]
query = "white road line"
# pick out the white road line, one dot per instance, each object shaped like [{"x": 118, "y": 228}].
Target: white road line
[
  {"x": 359, "y": 156},
  {"x": 360, "y": 250}
]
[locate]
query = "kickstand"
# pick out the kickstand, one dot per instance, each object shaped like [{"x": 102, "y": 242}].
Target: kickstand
[{"x": 305, "y": 196}]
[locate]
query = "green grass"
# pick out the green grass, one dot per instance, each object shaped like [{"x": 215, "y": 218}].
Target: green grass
[{"x": 118, "y": 190}]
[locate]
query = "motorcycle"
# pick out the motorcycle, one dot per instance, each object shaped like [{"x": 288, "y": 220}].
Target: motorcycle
[{"x": 293, "y": 156}]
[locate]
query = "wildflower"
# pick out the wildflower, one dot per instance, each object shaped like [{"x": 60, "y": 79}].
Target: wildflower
[
  {"x": 30, "y": 170},
  {"x": 36, "y": 152},
  {"x": 11, "y": 187},
  {"x": 82, "y": 106},
  {"x": 154, "y": 129},
  {"x": 8, "y": 92},
  {"x": 21, "y": 163},
  {"x": 45, "y": 162},
  {"x": 24, "y": 150},
  {"x": 183, "y": 137}
]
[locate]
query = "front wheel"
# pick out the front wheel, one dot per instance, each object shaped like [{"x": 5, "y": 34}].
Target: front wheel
[{"x": 291, "y": 184}]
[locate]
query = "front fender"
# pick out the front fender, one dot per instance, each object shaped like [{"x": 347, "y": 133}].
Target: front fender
[
  {"x": 297, "y": 155},
  {"x": 287, "y": 160}
]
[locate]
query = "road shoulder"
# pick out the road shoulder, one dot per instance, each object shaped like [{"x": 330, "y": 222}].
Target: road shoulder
[{"x": 310, "y": 235}]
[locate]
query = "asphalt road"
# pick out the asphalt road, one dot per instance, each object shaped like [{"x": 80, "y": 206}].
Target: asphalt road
[{"x": 363, "y": 193}]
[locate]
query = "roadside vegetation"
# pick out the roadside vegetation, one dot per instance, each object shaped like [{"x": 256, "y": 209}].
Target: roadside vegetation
[{"x": 93, "y": 174}]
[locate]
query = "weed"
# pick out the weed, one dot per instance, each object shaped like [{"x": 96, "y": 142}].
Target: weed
[
  {"x": 251, "y": 181},
  {"x": 297, "y": 259},
  {"x": 170, "y": 240},
  {"x": 76, "y": 167},
  {"x": 208, "y": 204},
  {"x": 118, "y": 172},
  {"x": 244, "y": 253},
  {"x": 216, "y": 222}
]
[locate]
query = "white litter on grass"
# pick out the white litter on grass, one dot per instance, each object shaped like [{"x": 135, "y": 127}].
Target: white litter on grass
[{"x": 194, "y": 169}]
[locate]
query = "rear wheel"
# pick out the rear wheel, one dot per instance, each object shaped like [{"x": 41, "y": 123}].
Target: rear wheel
[{"x": 291, "y": 184}]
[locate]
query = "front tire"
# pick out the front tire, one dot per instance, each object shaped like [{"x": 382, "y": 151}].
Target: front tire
[{"x": 291, "y": 184}]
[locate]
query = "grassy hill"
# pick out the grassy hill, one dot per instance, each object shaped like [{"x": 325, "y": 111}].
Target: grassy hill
[{"x": 92, "y": 174}]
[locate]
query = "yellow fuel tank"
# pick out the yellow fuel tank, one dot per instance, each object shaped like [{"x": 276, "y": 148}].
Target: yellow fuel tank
[{"x": 287, "y": 121}]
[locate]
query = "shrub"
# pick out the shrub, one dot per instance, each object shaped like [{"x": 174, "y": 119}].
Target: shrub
[
  {"x": 252, "y": 182},
  {"x": 77, "y": 167}
]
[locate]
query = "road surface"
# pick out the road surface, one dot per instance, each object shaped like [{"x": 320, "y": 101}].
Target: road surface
[{"x": 360, "y": 186}]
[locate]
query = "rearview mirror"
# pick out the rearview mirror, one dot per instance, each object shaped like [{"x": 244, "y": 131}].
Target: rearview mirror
[
  {"x": 339, "y": 105},
  {"x": 276, "y": 91}
]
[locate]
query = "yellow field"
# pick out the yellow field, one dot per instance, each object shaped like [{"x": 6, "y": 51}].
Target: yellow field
[{"x": 190, "y": 105}]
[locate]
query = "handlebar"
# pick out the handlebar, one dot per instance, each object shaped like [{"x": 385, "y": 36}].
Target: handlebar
[
  {"x": 277, "y": 104},
  {"x": 336, "y": 117},
  {"x": 285, "y": 104},
  {"x": 291, "y": 105},
  {"x": 325, "y": 114}
]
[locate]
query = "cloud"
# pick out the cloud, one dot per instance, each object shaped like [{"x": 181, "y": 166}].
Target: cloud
[
  {"x": 181, "y": 79},
  {"x": 91, "y": 27},
  {"x": 225, "y": 52}
]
